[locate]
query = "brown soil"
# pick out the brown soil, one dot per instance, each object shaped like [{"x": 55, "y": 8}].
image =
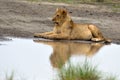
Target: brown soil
[{"x": 23, "y": 19}]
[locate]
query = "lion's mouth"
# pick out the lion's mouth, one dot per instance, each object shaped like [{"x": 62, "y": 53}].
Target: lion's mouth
[{"x": 56, "y": 23}]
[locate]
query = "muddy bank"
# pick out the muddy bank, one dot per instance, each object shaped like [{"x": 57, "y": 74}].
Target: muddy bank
[{"x": 22, "y": 19}]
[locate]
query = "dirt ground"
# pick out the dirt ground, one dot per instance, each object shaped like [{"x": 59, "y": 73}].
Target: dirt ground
[{"x": 20, "y": 18}]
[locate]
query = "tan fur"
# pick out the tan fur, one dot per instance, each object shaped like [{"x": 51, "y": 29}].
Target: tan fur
[
  {"x": 66, "y": 29},
  {"x": 62, "y": 51}
]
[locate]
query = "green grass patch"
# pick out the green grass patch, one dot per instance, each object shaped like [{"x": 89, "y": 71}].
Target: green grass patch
[
  {"x": 80, "y": 1},
  {"x": 33, "y": 0},
  {"x": 11, "y": 77},
  {"x": 83, "y": 71},
  {"x": 115, "y": 7}
]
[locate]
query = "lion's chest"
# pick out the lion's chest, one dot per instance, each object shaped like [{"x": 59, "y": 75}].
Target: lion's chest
[
  {"x": 66, "y": 27},
  {"x": 57, "y": 29}
]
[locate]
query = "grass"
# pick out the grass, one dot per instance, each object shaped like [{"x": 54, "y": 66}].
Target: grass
[
  {"x": 33, "y": 0},
  {"x": 110, "y": 77},
  {"x": 82, "y": 72},
  {"x": 81, "y": 1},
  {"x": 11, "y": 77},
  {"x": 116, "y": 7},
  {"x": 114, "y": 4}
]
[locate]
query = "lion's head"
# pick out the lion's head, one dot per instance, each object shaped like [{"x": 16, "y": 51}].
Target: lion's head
[{"x": 60, "y": 16}]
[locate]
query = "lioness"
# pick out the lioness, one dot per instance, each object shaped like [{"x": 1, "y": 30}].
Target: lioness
[{"x": 66, "y": 29}]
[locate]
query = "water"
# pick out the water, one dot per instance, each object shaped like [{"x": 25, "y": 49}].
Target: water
[{"x": 26, "y": 59}]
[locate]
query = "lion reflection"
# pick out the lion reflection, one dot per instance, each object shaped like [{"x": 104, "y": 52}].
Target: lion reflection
[{"x": 63, "y": 50}]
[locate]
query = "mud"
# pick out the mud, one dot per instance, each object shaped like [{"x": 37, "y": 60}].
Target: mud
[{"x": 20, "y": 18}]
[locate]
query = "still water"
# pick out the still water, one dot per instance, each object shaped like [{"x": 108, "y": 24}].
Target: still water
[{"x": 28, "y": 59}]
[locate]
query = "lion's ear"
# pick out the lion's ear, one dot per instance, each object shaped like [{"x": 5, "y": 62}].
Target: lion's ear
[{"x": 64, "y": 12}]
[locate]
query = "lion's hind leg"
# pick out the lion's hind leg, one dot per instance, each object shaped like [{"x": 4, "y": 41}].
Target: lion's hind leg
[{"x": 97, "y": 35}]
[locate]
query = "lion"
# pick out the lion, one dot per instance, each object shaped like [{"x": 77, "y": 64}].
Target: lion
[{"x": 66, "y": 29}]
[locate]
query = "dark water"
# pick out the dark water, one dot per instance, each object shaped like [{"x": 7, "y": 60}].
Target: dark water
[{"x": 38, "y": 60}]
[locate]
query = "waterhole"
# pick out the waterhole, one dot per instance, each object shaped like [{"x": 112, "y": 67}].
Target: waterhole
[{"x": 28, "y": 59}]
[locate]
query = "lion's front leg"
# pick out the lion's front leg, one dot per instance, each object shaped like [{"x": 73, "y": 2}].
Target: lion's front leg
[
  {"x": 43, "y": 34},
  {"x": 57, "y": 36},
  {"x": 48, "y": 33}
]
